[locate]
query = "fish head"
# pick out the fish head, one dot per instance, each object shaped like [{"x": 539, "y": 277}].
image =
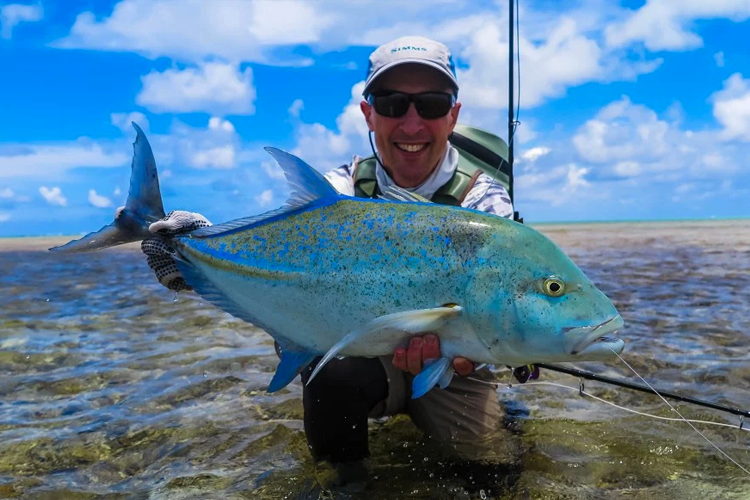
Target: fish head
[{"x": 530, "y": 303}]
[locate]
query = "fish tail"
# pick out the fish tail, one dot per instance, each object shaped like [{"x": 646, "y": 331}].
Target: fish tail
[{"x": 143, "y": 206}]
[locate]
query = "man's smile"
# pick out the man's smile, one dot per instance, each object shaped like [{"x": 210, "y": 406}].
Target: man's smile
[{"x": 411, "y": 148}]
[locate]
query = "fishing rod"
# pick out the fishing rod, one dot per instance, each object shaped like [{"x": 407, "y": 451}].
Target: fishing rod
[{"x": 523, "y": 374}]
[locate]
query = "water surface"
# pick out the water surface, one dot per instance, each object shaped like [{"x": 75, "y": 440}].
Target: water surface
[{"x": 109, "y": 388}]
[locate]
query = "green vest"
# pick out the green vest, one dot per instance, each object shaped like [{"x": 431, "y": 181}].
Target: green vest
[{"x": 478, "y": 151}]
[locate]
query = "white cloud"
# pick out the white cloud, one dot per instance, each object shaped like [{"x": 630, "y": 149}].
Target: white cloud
[
  {"x": 555, "y": 186},
  {"x": 265, "y": 198},
  {"x": 668, "y": 24},
  {"x": 719, "y": 58},
  {"x": 7, "y": 193},
  {"x": 620, "y": 131},
  {"x": 53, "y": 196},
  {"x": 218, "y": 157},
  {"x": 216, "y": 146},
  {"x": 287, "y": 22},
  {"x": 234, "y": 30},
  {"x": 13, "y": 14},
  {"x": 565, "y": 58},
  {"x": 325, "y": 149},
  {"x": 123, "y": 121},
  {"x": 533, "y": 154},
  {"x": 44, "y": 160},
  {"x": 213, "y": 87},
  {"x": 296, "y": 107},
  {"x": 4, "y": 217},
  {"x": 98, "y": 200},
  {"x": 117, "y": 192},
  {"x": 216, "y": 123},
  {"x": 731, "y": 107}
]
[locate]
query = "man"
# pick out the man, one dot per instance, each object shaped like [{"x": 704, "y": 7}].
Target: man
[{"x": 410, "y": 105}]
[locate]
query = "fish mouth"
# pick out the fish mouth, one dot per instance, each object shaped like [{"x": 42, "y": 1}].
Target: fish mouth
[{"x": 595, "y": 342}]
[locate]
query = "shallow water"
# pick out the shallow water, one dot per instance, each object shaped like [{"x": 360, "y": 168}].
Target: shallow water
[{"x": 111, "y": 389}]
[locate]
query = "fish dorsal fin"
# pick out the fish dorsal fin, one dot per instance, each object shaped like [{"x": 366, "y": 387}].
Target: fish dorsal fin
[
  {"x": 236, "y": 224},
  {"x": 144, "y": 197},
  {"x": 395, "y": 193},
  {"x": 305, "y": 183}
]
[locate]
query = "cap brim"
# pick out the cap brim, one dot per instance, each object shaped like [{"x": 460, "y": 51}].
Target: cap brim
[{"x": 391, "y": 65}]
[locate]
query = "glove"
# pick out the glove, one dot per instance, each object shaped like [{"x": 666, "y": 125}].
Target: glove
[{"x": 158, "y": 252}]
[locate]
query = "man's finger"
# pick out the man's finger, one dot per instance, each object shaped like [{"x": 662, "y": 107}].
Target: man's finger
[
  {"x": 463, "y": 366},
  {"x": 399, "y": 359},
  {"x": 414, "y": 355},
  {"x": 430, "y": 347}
]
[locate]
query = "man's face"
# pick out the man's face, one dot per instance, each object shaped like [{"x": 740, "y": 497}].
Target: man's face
[{"x": 410, "y": 147}]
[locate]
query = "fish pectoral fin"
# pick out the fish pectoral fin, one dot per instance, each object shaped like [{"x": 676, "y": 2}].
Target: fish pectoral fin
[
  {"x": 292, "y": 362},
  {"x": 438, "y": 371},
  {"x": 396, "y": 324}
]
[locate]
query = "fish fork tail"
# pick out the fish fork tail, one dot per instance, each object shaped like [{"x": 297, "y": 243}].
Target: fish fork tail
[{"x": 143, "y": 206}]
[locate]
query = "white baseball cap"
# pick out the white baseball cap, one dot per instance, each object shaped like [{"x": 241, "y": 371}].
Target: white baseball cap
[{"x": 414, "y": 50}]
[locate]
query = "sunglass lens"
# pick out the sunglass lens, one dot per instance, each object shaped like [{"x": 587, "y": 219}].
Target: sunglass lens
[
  {"x": 392, "y": 105},
  {"x": 433, "y": 105}
]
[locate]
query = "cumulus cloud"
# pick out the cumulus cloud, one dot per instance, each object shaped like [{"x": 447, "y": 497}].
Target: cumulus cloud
[
  {"x": 7, "y": 193},
  {"x": 265, "y": 198},
  {"x": 670, "y": 24},
  {"x": 620, "y": 131},
  {"x": 324, "y": 148},
  {"x": 234, "y": 30},
  {"x": 719, "y": 58},
  {"x": 214, "y": 87},
  {"x": 13, "y": 14},
  {"x": 123, "y": 121},
  {"x": 4, "y": 217},
  {"x": 296, "y": 107},
  {"x": 44, "y": 160},
  {"x": 731, "y": 107},
  {"x": 98, "y": 200},
  {"x": 53, "y": 196}
]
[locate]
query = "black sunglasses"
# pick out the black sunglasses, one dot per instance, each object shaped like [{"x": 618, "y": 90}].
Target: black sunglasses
[{"x": 429, "y": 105}]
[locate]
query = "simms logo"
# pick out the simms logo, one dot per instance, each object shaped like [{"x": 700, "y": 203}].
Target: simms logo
[{"x": 408, "y": 47}]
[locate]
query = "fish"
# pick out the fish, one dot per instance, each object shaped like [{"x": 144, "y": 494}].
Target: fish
[{"x": 330, "y": 275}]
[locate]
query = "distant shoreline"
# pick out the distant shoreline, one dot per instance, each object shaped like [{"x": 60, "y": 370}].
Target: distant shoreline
[
  {"x": 43, "y": 243},
  {"x": 560, "y": 232}
]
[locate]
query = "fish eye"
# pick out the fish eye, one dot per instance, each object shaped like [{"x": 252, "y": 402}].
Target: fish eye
[{"x": 554, "y": 287}]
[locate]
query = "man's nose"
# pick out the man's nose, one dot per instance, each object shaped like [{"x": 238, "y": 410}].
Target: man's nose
[{"x": 412, "y": 122}]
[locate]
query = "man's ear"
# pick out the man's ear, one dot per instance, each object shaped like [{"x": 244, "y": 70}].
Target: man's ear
[
  {"x": 367, "y": 111},
  {"x": 454, "y": 115}
]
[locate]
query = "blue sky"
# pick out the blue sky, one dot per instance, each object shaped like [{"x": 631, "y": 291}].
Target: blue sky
[{"x": 637, "y": 110}]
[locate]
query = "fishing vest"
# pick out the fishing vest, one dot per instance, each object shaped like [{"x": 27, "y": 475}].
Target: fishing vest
[{"x": 479, "y": 152}]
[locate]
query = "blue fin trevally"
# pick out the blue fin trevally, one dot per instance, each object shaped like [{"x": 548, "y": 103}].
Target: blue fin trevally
[{"x": 332, "y": 275}]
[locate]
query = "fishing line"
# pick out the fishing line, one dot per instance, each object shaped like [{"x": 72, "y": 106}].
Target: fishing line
[
  {"x": 680, "y": 415},
  {"x": 510, "y": 385}
]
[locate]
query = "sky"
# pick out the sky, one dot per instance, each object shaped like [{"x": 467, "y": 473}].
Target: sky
[{"x": 629, "y": 111}]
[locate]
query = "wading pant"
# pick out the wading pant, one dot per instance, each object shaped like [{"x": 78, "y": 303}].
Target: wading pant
[{"x": 347, "y": 391}]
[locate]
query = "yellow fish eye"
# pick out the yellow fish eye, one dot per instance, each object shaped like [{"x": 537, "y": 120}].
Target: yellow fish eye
[{"x": 554, "y": 287}]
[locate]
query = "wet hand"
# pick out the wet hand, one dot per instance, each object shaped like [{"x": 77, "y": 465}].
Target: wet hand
[{"x": 420, "y": 349}]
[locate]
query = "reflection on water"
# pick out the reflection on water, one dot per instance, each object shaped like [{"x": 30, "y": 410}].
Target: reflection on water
[{"x": 110, "y": 388}]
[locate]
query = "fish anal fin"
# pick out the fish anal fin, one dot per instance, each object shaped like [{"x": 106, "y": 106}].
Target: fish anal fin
[{"x": 430, "y": 376}]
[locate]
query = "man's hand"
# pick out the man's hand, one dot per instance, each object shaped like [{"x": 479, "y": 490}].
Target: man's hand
[
  {"x": 421, "y": 349},
  {"x": 157, "y": 250}
]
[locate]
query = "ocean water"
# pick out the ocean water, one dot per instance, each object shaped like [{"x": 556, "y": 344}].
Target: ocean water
[{"x": 111, "y": 388}]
